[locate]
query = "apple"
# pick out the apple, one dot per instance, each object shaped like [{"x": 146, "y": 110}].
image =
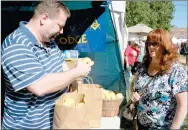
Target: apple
[
  {"x": 105, "y": 92},
  {"x": 86, "y": 60},
  {"x": 107, "y": 96},
  {"x": 119, "y": 96},
  {"x": 80, "y": 104},
  {"x": 69, "y": 102},
  {"x": 112, "y": 95}
]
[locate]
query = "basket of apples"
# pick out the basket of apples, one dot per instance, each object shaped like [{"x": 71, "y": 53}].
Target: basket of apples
[{"x": 111, "y": 103}]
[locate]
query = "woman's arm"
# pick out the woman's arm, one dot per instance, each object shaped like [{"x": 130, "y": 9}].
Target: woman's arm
[
  {"x": 181, "y": 110},
  {"x": 126, "y": 53},
  {"x": 126, "y": 61}
]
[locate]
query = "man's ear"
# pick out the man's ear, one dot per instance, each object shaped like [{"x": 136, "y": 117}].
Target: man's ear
[{"x": 44, "y": 17}]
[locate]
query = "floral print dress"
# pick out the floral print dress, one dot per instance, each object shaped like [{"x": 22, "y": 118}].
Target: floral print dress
[{"x": 157, "y": 105}]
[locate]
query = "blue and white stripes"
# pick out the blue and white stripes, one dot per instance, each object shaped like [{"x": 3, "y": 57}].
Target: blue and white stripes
[{"x": 25, "y": 61}]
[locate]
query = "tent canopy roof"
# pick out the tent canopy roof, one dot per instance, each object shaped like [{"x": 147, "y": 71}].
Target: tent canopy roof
[{"x": 140, "y": 28}]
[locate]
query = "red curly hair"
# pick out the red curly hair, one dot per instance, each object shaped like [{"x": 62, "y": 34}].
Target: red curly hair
[{"x": 170, "y": 54}]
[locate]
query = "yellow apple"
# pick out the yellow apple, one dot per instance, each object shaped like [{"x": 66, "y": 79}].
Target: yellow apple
[
  {"x": 87, "y": 60},
  {"x": 69, "y": 102},
  {"x": 107, "y": 96},
  {"x": 105, "y": 92},
  {"x": 119, "y": 96},
  {"x": 80, "y": 104},
  {"x": 91, "y": 63},
  {"x": 97, "y": 86},
  {"x": 112, "y": 95}
]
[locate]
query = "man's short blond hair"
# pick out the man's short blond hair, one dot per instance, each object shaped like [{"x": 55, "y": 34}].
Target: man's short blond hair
[{"x": 52, "y": 7}]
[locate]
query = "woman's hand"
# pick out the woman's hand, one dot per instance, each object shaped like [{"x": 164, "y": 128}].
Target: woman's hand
[{"x": 135, "y": 97}]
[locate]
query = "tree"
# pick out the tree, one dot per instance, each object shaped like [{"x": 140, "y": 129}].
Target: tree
[{"x": 155, "y": 14}]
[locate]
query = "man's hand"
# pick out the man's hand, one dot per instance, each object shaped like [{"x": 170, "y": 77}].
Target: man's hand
[
  {"x": 74, "y": 85},
  {"x": 82, "y": 69}
]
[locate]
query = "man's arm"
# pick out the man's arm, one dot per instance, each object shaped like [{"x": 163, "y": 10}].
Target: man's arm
[
  {"x": 57, "y": 81},
  {"x": 75, "y": 83}
]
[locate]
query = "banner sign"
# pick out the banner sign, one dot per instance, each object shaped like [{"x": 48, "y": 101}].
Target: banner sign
[{"x": 85, "y": 31}]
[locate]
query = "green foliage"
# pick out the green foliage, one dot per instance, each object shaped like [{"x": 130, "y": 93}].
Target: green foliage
[
  {"x": 185, "y": 126},
  {"x": 156, "y": 14}
]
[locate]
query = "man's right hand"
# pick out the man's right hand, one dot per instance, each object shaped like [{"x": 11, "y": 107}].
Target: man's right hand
[{"x": 82, "y": 69}]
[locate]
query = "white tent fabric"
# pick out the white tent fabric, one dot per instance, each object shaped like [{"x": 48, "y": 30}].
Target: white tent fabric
[
  {"x": 183, "y": 40},
  {"x": 117, "y": 9},
  {"x": 176, "y": 41},
  {"x": 140, "y": 28},
  {"x": 138, "y": 32},
  {"x": 137, "y": 37}
]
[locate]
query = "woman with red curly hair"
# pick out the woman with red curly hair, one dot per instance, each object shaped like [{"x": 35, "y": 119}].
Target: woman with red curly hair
[{"x": 162, "y": 103}]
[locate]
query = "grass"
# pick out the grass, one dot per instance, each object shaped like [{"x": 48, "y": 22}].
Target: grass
[{"x": 185, "y": 126}]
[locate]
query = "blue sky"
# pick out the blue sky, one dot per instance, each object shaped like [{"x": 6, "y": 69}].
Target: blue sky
[{"x": 180, "y": 14}]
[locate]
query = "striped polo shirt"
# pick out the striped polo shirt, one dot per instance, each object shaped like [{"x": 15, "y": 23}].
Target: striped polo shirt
[{"x": 25, "y": 61}]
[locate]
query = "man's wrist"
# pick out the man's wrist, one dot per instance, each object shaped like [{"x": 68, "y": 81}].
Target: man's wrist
[{"x": 75, "y": 73}]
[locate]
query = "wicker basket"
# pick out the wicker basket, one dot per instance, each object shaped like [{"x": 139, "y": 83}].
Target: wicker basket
[{"x": 110, "y": 108}]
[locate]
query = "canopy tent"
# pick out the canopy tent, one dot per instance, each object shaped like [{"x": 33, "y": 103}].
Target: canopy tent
[
  {"x": 139, "y": 28},
  {"x": 183, "y": 40},
  {"x": 176, "y": 41},
  {"x": 138, "y": 32},
  {"x": 108, "y": 69},
  {"x": 137, "y": 37}
]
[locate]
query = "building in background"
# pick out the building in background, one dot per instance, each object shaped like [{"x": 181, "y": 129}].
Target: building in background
[{"x": 180, "y": 33}]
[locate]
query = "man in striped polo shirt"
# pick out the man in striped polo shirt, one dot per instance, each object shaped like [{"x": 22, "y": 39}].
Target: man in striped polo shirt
[{"x": 32, "y": 65}]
